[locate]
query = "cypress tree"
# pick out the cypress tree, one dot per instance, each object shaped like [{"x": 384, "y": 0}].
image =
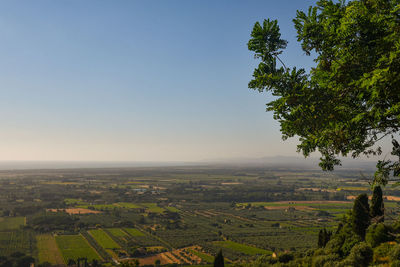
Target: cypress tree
[
  {"x": 377, "y": 206},
  {"x": 323, "y": 237},
  {"x": 219, "y": 260},
  {"x": 320, "y": 239},
  {"x": 360, "y": 216}
]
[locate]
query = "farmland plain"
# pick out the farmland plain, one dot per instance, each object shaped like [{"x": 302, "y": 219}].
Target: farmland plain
[{"x": 179, "y": 215}]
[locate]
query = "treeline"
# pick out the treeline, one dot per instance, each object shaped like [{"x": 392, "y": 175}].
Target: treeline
[{"x": 248, "y": 194}]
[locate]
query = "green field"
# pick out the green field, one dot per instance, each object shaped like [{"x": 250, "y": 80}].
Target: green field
[
  {"x": 75, "y": 246},
  {"x": 117, "y": 232},
  {"x": 11, "y": 223},
  {"x": 241, "y": 248},
  {"x": 128, "y": 205},
  {"x": 152, "y": 207},
  {"x": 125, "y": 205},
  {"x": 134, "y": 232},
  {"x": 103, "y": 239},
  {"x": 173, "y": 209},
  {"x": 48, "y": 250},
  {"x": 74, "y": 201}
]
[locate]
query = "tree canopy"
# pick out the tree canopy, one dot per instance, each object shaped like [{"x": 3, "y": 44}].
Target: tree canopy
[{"x": 350, "y": 99}]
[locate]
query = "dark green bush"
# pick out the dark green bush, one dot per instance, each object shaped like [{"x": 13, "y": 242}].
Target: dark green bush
[
  {"x": 361, "y": 255},
  {"x": 377, "y": 234}
]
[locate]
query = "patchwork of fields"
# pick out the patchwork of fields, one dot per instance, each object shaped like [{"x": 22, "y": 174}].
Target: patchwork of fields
[{"x": 174, "y": 215}]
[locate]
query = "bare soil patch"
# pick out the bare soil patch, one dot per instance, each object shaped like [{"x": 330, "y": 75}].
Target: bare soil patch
[
  {"x": 354, "y": 197},
  {"x": 392, "y": 198}
]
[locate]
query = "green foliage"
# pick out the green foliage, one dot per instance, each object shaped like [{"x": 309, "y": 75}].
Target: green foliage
[
  {"x": 49, "y": 221},
  {"x": 377, "y": 206},
  {"x": 377, "y": 234},
  {"x": 360, "y": 215},
  {"x": 382, "y": 253},
  {"x": 321, "y": 260},
  {"x": 361, "y": 255},
  {"x": 343, "y": 241},
  {"x": 265, "y": 260},
  {"x": 395, "y": 253},
  {"x": 350, "y": 99}
]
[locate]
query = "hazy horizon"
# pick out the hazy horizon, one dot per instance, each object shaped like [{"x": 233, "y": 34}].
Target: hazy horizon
[
  {"x": 137, "y": 81},
  {"x": 272, "y": 161}
]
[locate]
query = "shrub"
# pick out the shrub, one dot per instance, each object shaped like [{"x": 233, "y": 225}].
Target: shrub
[
  {"x": 382, "y": 252},
  {"x": 377, "y": 234},
  {"x": 285, "y": 258},
  {"x": 361, "y": 255},
  {"x": 322, "y": 260},
  {"x": 395, "y": 253},
  {"x": 265, "y": 260}
]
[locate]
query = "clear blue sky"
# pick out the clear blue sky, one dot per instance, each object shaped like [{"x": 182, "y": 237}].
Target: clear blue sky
[{"x": 137, "y": 80}]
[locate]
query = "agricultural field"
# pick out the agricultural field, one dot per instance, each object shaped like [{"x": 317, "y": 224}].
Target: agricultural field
[
  {"x": 74, "y": 247},
  {"x": 48, "y": 250},
  {"x": 179, "y": 215},
  {"x": 134, "y": 232},
  {"x": 117, "y": 232},
  {"x": 152, "y": 207},
  {"x": 250, "y": 250},
  {"x": 16, "y": 241},
  {"x": 103, "y": 239},
  {"x": 11, "y": 223}
]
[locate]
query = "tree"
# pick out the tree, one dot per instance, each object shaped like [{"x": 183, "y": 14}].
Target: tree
[
  {"x": 219, "y": 260},
  {"x": 378, "y": 234},
  {"x": 360, "y": 215},
  {"x": 377, "y": 206},
  {"x": 320, "y": 239},
  {"x": 323, "y": 237},
  {"x": 361, "y": 255},
  {"x": 350, "y": 100}
]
